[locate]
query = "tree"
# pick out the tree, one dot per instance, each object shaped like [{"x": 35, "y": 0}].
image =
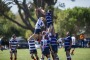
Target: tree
[
  {"x": 26, "y": 16},
  {"x": 76, "y": 20},
  {"x": 27, "y": 8}
]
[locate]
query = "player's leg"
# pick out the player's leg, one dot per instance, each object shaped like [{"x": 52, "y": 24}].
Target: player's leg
[
  {"x": 37, "y": 34},
  {"x": 11, "y": 55},
  {"x": 37, "y": 58},
  {"x": 33, "y": 57},
  {"x": 72, "y": 52},
  {"x": 68, "y": 54},
  {"x": 48, "y": 57},
  {"x": 15, "y": 55},
  {"x": 32, "y": 54},
  {"x": 56, "y": 56},
  {"x": 47, "y": 53},
  {"x": 42, "y": 57},
  {"x": 35, "y": 52},
  {"x": 55, "y": 53},
  {"x": 73, "y": 49}
]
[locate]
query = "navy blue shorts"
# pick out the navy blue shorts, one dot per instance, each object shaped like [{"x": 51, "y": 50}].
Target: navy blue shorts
[
  {"x": 49, "y": 24},
  {"x": 55, "y": 49},
  {"x": 37, "y": 31},
  {"x": 67, "y": 49},
  {"x": 13, "y": 51},
  {"x": 46, "y": 52},
  {"x": 33, "y": 51},
  {"x": 73, "y": 46}
]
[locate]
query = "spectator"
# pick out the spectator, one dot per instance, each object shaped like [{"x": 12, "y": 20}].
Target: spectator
[
  {"x": 73, "y": 44},
  {"x": 82, "y": 37}
]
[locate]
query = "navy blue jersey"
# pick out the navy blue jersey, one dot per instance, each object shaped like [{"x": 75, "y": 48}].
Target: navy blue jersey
[
  {"x": 49, "y": 18},
  {"x": 53, "y": 40},
  {"x": 67, "y": 41}
]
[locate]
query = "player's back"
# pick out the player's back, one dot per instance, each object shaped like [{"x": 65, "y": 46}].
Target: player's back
[
  {"x": 31, "y": 44},
  {"x": 53, "y": 40},
  {"x": 67, "y": 41}
]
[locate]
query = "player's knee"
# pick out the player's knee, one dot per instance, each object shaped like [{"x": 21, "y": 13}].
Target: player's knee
[
  {"x": 37, "y": 57},
  {"x": 15, "y": 58},
  {"x": 48, "y": 56},
  {"x": 11, "y": 58},
  {"x": 32, "y": 57}
]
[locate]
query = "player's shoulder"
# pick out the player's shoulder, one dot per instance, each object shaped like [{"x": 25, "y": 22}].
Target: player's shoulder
[{"x": 11, "y": 39}]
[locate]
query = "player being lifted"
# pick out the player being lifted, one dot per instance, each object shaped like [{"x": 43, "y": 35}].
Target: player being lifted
[
  {"x": 32, "y": 49},
  {"x": 49, "y": 18},
  {"x": 13, "y": 44},
  {"x": 45, "y": 46},
  {"x": 38, "y": 28}
]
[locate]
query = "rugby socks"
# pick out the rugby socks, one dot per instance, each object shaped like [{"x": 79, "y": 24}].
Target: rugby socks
[
  {"x": 57, "y": 58},
  {"x": 37, "y": 58},
  {"x": 11, "y": 58},
  {"x": 42, "y": 59},
  {"x": 69, "y": 58},
  {"x": 49, "y": 58},
  {"x": 15, "y": 58},
  {"x": 33, "y": 57}
]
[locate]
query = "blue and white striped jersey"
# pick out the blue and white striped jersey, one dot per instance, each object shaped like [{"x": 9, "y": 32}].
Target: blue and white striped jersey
[
  {"x": 31, "y": 44},
  {"x": 49, "y": 18},
  {"x": 53, "y": 40},
  {"x": 13, "y": 44},
  {"x": 67, "y": 41}
]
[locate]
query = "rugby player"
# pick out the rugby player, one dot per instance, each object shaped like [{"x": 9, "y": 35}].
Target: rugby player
[
  {"x": 32, "y": 49},
  {"x": 45, "y": 46},
  {"x": 68, "y": 44},
  {"x": 13, "y": 44}
]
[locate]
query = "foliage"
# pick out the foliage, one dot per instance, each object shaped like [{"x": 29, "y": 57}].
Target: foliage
[{"x": 76, "y": 20}]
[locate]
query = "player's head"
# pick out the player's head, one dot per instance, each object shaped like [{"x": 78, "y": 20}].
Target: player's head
[
  {"x": 49, "y": 11},
  {"x": 67, "y": 33},
  {"x": 14, "y": 36},
  {"x": 42, "y": 18},
  {"x": 44, "y": 32}
]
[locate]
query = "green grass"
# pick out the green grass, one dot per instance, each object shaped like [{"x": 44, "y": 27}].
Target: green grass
[{"x": 23, "y": 54}]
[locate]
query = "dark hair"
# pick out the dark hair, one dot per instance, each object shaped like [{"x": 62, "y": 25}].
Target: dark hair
[
  {"x": 13, "y": 35},
  {"x": 43, "y": 32}
]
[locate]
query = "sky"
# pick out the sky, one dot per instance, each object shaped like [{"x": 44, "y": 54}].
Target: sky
[{"x": 68, "y": 4}]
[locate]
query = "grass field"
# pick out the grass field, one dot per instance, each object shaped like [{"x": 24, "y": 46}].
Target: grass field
[{"x": 23, "y": 54}]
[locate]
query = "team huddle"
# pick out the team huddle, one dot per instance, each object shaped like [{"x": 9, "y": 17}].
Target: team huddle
[{"x": 48, "y": 40}]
